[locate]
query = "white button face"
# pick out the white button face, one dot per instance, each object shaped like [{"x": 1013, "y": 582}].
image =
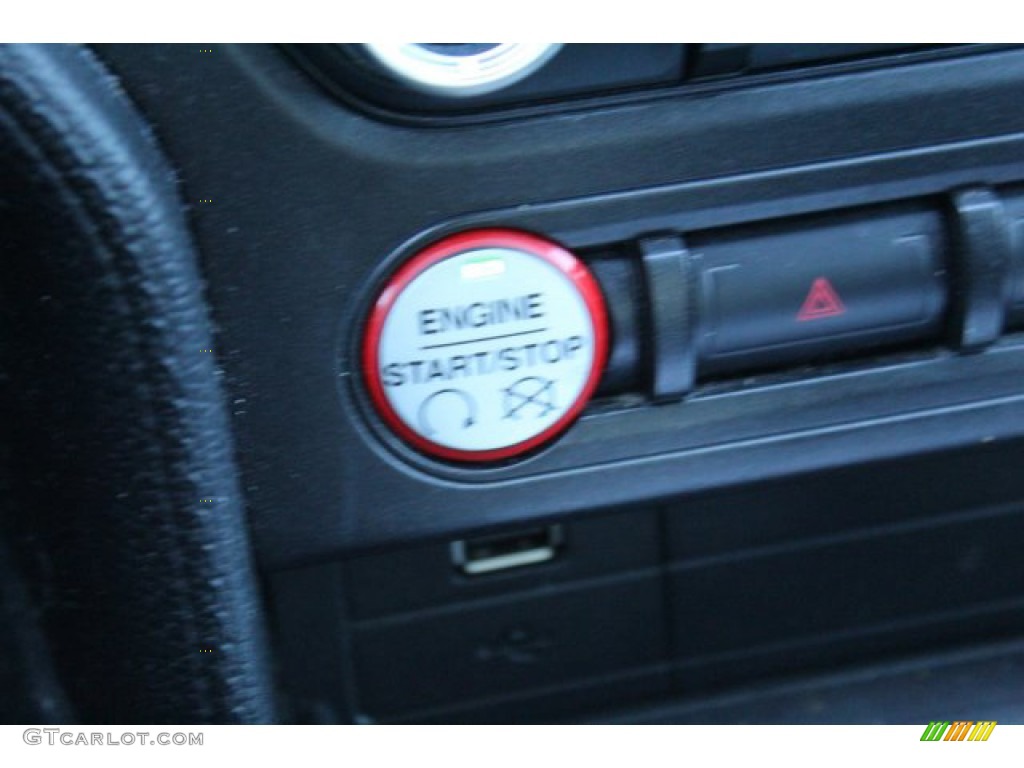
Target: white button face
[{"x": 486, "y": 345}]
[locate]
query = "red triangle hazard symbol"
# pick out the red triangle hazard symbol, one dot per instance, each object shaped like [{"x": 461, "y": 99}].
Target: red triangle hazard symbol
[{"x": 822, "y": 301}]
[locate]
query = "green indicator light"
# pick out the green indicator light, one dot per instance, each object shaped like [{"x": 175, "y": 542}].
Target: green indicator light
[{"x": 482, "y": 267}]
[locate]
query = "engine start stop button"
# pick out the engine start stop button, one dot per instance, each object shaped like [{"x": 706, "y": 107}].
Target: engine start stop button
[{"x": 485, "y": 345}]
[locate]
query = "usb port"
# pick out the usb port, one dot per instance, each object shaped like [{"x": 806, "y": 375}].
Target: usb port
[{"x": 503, "y": 552}]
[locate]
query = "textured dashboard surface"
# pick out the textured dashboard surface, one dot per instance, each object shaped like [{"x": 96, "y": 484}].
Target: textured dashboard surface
[{"x": 126, "y": 515}]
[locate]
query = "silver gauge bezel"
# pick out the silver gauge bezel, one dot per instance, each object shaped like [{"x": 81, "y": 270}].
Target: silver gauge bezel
[{"x": 438, "y": 74}]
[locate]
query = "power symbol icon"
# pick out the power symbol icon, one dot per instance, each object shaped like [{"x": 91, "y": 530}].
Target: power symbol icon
[{"x": 445, "y": 403}]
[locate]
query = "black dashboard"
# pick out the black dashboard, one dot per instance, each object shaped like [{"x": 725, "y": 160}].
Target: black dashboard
[{"x": 665, "y": 383}]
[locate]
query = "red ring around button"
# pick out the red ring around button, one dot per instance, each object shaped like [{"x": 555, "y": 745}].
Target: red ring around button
[{"x": 454, "y": 245}]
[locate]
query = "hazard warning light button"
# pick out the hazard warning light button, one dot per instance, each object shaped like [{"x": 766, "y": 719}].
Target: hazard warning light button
[
  {"x": 823, "y": 288},
  {"x": 485, "y": 346}
]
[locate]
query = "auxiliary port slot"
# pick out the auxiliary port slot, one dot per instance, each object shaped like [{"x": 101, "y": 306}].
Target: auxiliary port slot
[{"x": 505, "y": 551}]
